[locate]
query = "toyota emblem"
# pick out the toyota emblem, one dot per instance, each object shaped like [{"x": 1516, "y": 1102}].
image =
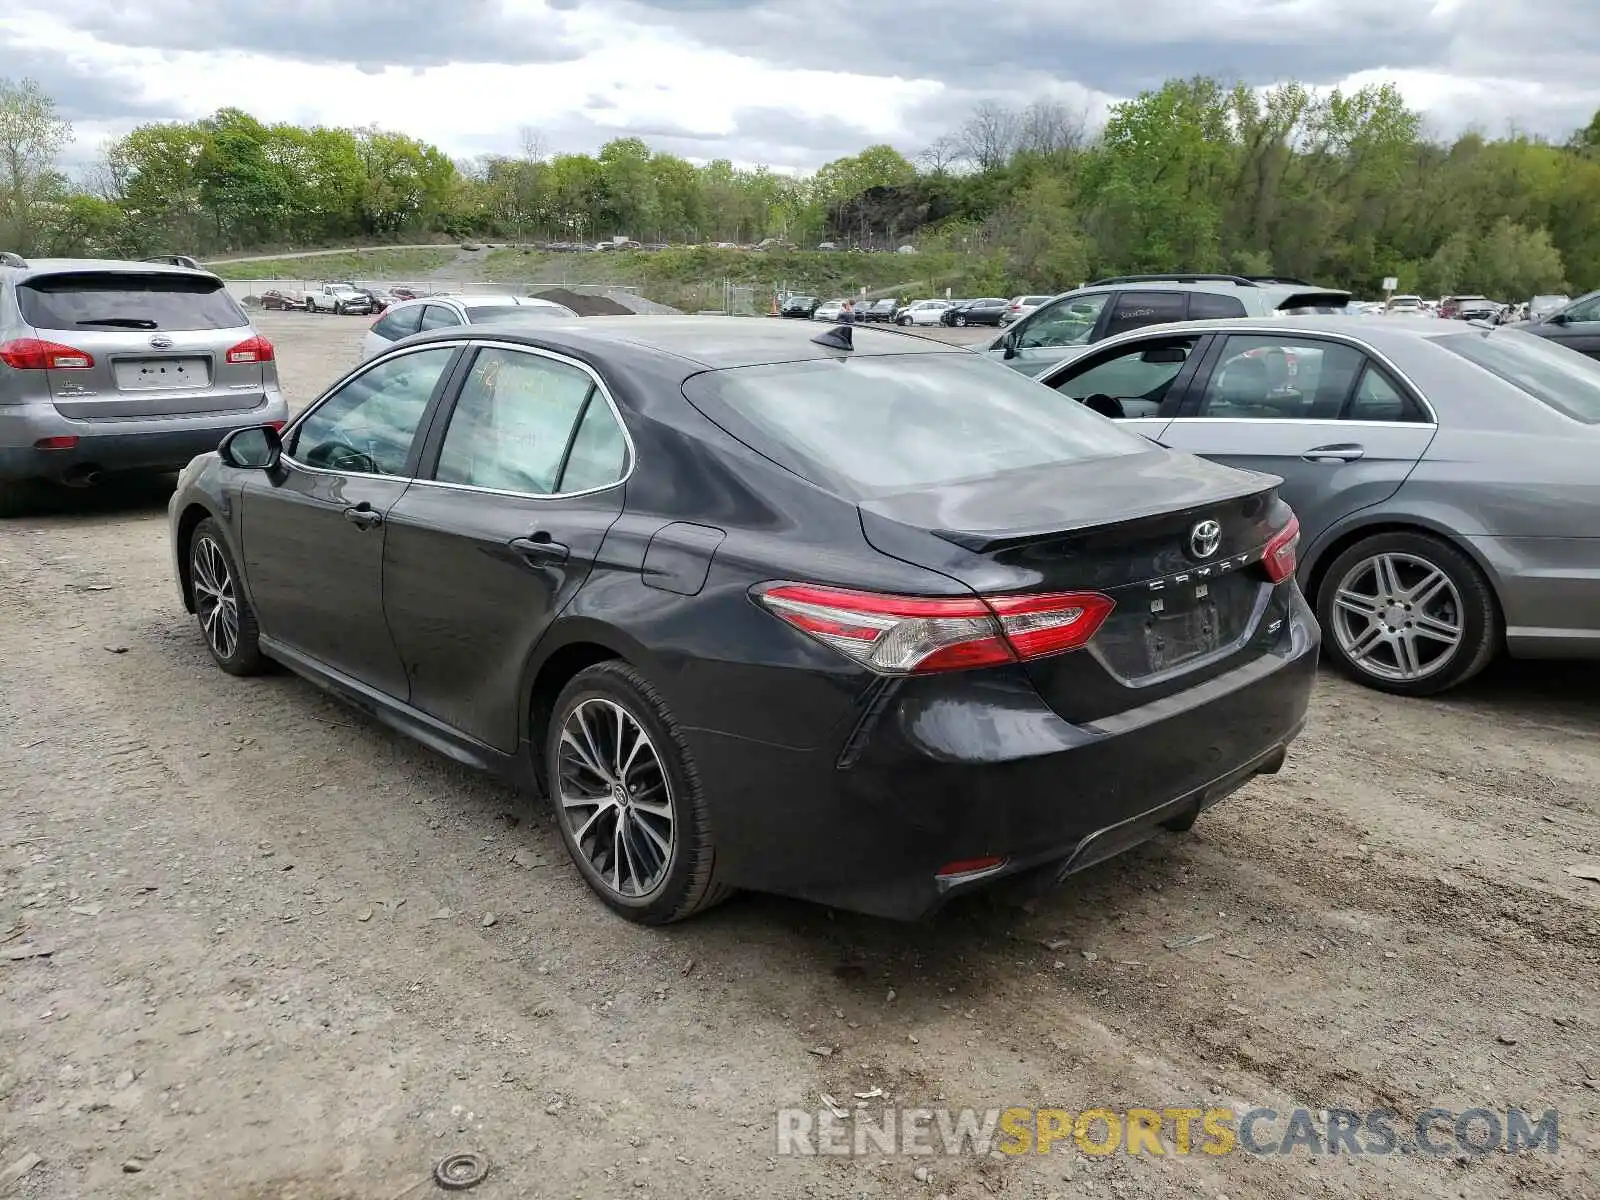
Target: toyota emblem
[
  {"x": 1205, "y": 538},
  {"x": 161, "y": 342}
]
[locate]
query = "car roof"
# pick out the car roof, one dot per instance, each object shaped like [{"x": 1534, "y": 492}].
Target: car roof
[
  {"x": 61, "y": 266},
  {"x": 1387, "y": 335},
  {"x": 713, "y": 342}
]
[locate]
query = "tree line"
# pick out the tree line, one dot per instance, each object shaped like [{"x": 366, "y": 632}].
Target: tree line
[{"x": 1340, "y": 187}]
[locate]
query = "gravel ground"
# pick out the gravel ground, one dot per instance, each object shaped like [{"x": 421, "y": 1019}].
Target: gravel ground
[{"x": 295, "y": 955}]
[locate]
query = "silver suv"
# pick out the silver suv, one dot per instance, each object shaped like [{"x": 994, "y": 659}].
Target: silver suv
[
  {"x": 110, "y": 366},
  {"x": 1066, "y": 326}
]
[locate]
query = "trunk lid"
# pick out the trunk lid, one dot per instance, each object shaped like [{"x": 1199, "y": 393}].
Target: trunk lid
[
  {"x": 1130, "y": 528},
  {"x": 159, "y": 343}
]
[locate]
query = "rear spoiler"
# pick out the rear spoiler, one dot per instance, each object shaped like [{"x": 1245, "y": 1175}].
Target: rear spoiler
[{"x": 1323, "y": 299}]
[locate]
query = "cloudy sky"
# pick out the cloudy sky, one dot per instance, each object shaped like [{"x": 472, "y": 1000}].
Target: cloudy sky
[{"x": 792, "y": 83}]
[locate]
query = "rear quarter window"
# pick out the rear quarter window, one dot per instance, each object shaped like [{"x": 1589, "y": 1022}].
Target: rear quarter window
[
  {"x": 1208, "y": 306},
  {"x": 118, "y": 300}
]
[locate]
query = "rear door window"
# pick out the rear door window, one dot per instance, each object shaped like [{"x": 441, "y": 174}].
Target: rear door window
[
  {"x": 1134, "y": 310},
  {"x": 513, "y": 424},
  {"x": 398, "y": 323},
  {"x": 1280, "y": 378},
  {"x": 110, "y": 300}
]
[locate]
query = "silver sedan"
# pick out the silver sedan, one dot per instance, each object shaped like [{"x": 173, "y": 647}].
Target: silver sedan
[{"x": 1446, "y": 476}]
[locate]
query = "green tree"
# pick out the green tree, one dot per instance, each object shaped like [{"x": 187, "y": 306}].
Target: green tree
[{"x": 32, "y": 135}]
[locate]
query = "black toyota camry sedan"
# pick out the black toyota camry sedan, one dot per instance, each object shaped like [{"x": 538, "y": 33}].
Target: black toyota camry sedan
[{"x": 852, "y": 616}]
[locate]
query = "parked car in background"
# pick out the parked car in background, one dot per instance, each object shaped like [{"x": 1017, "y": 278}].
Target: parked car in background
[
  {"x": 1023, "y": 306},
  {"x": 1067, "y": 325},
  {"x": 1576, "y": 326},
  {"x": 828, "y": 310},
  {"x": 879, "y": 310},
  {"x": 1468, "y": 308},
  {"x": 921, "y": 312},
  {"x": 799, "y": 306},
  {"x": 984, "y": 311},
  {"x": 175, "y": 260},
  {"x": 341, "y": 298},
  {"x": 1540, "y": 307},
  {"x": 1443, "y": 474},
  {"x": 109, "y": 366},
  {"x": 279, "y": 301},
  {"x": 640, "y": 564},
  {"x": 444, "y": 312},
  {"x": 1408, "y": 304}
]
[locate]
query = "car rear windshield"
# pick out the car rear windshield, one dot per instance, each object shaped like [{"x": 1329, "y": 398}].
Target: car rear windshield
[
  {"x": 498, "y": 312},
  {"x": 1566, "y": 380},
  {"x": 113, "y": 300},
  {"x": 878, "y": 424}
]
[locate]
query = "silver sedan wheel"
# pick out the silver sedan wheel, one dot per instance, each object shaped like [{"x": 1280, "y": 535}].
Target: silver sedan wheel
[
  {"x": 215, "y": 601},
  {"x": 616, "y": 798},
  {"x": 1398, "y": 617}
]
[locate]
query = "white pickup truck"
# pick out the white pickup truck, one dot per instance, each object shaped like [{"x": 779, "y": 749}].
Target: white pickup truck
[{"x": 335, "y": 298}]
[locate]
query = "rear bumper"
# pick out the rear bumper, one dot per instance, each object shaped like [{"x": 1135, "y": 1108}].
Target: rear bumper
[
  {"x": 959, "y": 768},
  {"x": 145, "y": 444}
]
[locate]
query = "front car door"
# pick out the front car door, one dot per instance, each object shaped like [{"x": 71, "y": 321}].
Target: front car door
[
  {"x": 312, "y": 531},
  {"x": 1339, "y": 428},
  {"x": 1578, "y": 327},
  {"x": 523, "y": 479},
  {"x": 1056, "y": 331},
  {"x": 1137, "y": 384}
]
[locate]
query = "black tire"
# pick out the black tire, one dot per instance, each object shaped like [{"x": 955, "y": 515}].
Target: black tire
[
  {"x": 687, "y": 884},
  {"x": 1468, "y": 601},
  {"x": 961, "y": 321},
  {"x": 242, "y": 654}
]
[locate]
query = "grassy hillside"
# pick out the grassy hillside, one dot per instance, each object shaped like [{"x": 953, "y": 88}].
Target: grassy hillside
[
  {"x": 397, "y": 265},
  {"x": 692, "y": 277}
]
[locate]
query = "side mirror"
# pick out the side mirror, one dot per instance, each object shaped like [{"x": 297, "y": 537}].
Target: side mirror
[
  {"x": 1008, "y": 344},
  {"x": 1171, "y": 355},
  {"x": 1559, "y": 318},
  {"x": 256, "y": 448}
]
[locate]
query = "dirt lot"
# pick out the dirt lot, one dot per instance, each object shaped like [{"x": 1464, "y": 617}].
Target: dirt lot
[{"x": 274, "y": 973}]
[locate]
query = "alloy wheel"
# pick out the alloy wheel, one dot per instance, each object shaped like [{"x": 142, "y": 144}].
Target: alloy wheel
[
  {"x": 215, "y": 601},
  {"x": 615, "y": 797},
  {"x": 1398, "y": 617}
]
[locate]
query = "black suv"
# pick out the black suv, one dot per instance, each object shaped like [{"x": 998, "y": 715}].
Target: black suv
[{"x": 799, "y": 306}]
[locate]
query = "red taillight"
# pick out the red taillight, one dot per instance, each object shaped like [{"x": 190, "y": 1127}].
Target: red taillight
[
  {"x": 1278, "y": 559},
  {"x": 920, "y": 634},
  {"x": 252, "y": 350},
  {"x": 63, "y": 442},
  {"x": 33, "y": 354},
  {"x": 969, "y": 866}
]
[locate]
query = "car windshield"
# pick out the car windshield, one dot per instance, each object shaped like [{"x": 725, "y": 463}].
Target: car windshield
[
  {"x": 1564, "y": 379},
  {"x": 108, "y": 300},
  {"x": 887, "y": 423}
]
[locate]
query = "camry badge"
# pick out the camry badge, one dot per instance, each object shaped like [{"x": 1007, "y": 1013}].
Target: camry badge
[
  {"x": 1205, "y": 538},
  {"x": 161, "y": 342}
]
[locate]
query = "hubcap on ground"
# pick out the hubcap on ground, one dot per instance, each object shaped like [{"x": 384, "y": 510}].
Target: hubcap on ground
[
  {"x": 215, "y": 602},
  {"x": 1398, "y": 617},
  {"x": 615, "y": 797}
]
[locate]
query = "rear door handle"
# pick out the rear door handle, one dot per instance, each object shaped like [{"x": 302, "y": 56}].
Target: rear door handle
[
  {"x": 1345, "y": 452},
  {"x": 363, "y": 515},
  {"x": 539, "y": 548}
]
